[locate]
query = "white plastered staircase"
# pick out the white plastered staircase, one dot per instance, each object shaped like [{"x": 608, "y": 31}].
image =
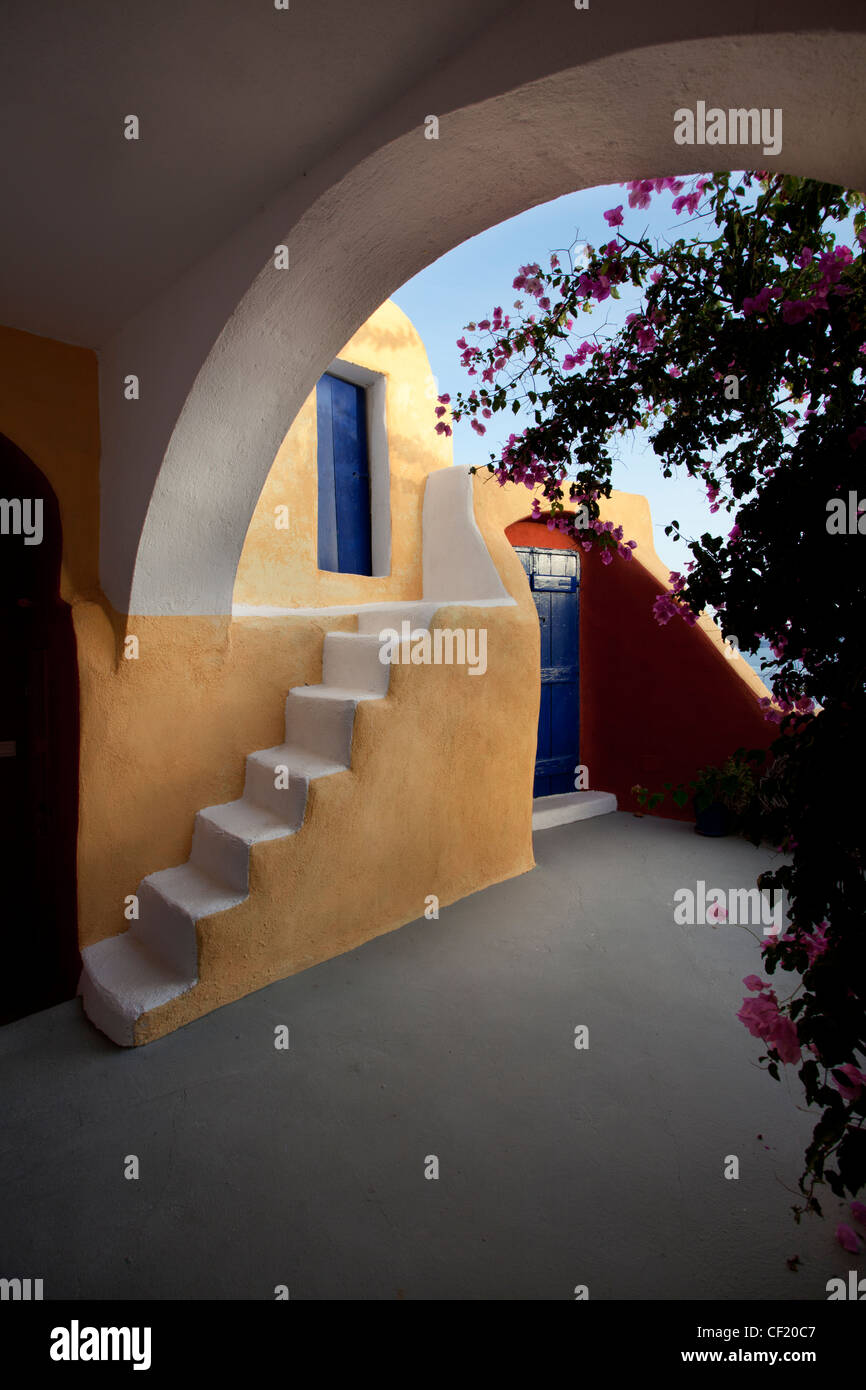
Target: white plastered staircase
[{"x": 156, "y": 960}]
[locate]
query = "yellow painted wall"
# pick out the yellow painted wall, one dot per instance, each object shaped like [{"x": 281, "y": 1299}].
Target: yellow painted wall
[
  {"x": 49, "y": 408},
  {"x": 438, "y": 800},
  {"x": 278, "y": 568}
]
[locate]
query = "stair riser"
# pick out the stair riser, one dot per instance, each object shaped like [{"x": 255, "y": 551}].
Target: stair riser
[
  {"x": 324, "y": 727},
  {"x": 168, "y": 931},
  {"x": 103, "y": 1012},
  {"x": 351, "y": 662},
  {"x": 222, "y": 855},
  {"x": 289, "y": 803}
]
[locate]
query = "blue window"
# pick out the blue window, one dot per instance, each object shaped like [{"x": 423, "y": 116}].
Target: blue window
[{"x": 345, "y": 531}]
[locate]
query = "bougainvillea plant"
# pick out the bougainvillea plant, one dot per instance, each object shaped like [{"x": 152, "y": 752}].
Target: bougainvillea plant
[{"x": 743, "y": 363}]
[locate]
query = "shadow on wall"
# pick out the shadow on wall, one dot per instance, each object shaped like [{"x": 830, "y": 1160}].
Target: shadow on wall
[{"x": 656, "y": 703}]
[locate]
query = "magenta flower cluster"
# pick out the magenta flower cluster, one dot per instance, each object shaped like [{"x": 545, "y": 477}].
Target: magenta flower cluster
[
  {"x": 762, "y": 1018},
  {"x": 668, "y": 605},
  {"x": 830, "y": 266}
]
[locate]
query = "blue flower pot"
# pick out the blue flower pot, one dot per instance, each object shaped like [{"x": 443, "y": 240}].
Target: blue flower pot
[{"x": 714, "y": 820}]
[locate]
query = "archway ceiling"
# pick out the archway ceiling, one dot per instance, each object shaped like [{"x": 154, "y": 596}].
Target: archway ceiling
[{"x": 239, "y": 101}]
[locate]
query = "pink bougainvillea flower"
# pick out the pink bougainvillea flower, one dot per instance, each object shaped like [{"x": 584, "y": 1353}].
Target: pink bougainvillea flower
[
  {"x": 817, "y": 943},
  {"x": 856, "y": 1078},
  {"x": 848, "y": 1239},
  {"x": 478, "y": 427},
  {"x": 762, "y": 1018},
  {"x": 445, "y": 400},
  {"x": 664, "y": 609},
  {"x": 758, "y": 304},
  {"x": 639, "y": 193},
  {"x": 754, "y": 982},
  {"x": 804, "y": 258},
  {"x": 796, "y": 310},
  {"x": 783, "y": 1037},
  {"x": 613, "y": 216},
  {"x": 858, "y": 1211},
  {"x": 759, "y": 1014},
  {"x": 734, "y": 533},
  {"x": 717, "y": 914}
]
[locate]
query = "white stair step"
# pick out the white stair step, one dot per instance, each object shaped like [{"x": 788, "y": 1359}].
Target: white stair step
[
  {"x": 223, "y": 836},
  {"x": 565, "y": 807},
  {"x": 351, "y": 660},
  {"x": 289, "y": 803},
  {"x": 171, "y": 901},
  {"x": 156, "y": 960},
  {"x": 121, "y": 980},
  {"x": 321, "y": 718}
]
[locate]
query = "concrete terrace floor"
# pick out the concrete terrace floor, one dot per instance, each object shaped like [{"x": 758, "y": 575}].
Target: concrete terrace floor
[{"x": 558, "y": 1167}]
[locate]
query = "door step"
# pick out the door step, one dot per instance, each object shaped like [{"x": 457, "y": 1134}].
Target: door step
[{"x": 569, "y": 806}]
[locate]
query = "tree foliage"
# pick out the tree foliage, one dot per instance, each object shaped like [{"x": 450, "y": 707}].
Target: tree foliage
[{"x": 744, "y": 366}]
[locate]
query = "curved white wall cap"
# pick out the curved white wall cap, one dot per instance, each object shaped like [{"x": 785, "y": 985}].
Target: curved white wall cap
[
  {"x": 395, "y": 213},
  {"x": 457, "y": 565}
]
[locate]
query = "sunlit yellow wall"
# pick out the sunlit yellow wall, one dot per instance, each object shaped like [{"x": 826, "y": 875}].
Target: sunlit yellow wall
[{"x": 278, "y": 567}]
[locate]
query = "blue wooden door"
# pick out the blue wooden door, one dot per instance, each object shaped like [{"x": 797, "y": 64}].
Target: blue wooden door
[
  {"x": 554, "y": 577},
  {"x": 345, "y": 542}
]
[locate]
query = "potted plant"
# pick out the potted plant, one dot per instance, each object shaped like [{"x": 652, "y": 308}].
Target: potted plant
[{"x": 720, "y": 795}]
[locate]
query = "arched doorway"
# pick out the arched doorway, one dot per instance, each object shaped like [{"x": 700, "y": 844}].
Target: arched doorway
[{"x": 38, "y": 747}]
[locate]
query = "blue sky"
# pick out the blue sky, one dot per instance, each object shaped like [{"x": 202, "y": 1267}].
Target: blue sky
[{"x": 464, "y": 286}]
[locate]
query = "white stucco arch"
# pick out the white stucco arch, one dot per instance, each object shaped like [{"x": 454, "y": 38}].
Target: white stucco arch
[{"x": 413, "y": 200}]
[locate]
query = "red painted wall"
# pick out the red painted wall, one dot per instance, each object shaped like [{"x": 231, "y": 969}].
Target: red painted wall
[{"x": 656, "y": 703}]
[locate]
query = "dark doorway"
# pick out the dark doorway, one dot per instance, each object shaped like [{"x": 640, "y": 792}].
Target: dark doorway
[
  {"x": 554, "y": 578},
  {"x": 38, "y": 748}
]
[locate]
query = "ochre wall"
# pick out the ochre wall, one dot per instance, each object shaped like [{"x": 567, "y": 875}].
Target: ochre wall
[
  {"x": 278, "y": 568},
  {"x": 438, "y": 800},
  {"x": 49, "y": 408},
  {"x": 656, "y": 702},
  {"x": 166, "y": 734}
]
